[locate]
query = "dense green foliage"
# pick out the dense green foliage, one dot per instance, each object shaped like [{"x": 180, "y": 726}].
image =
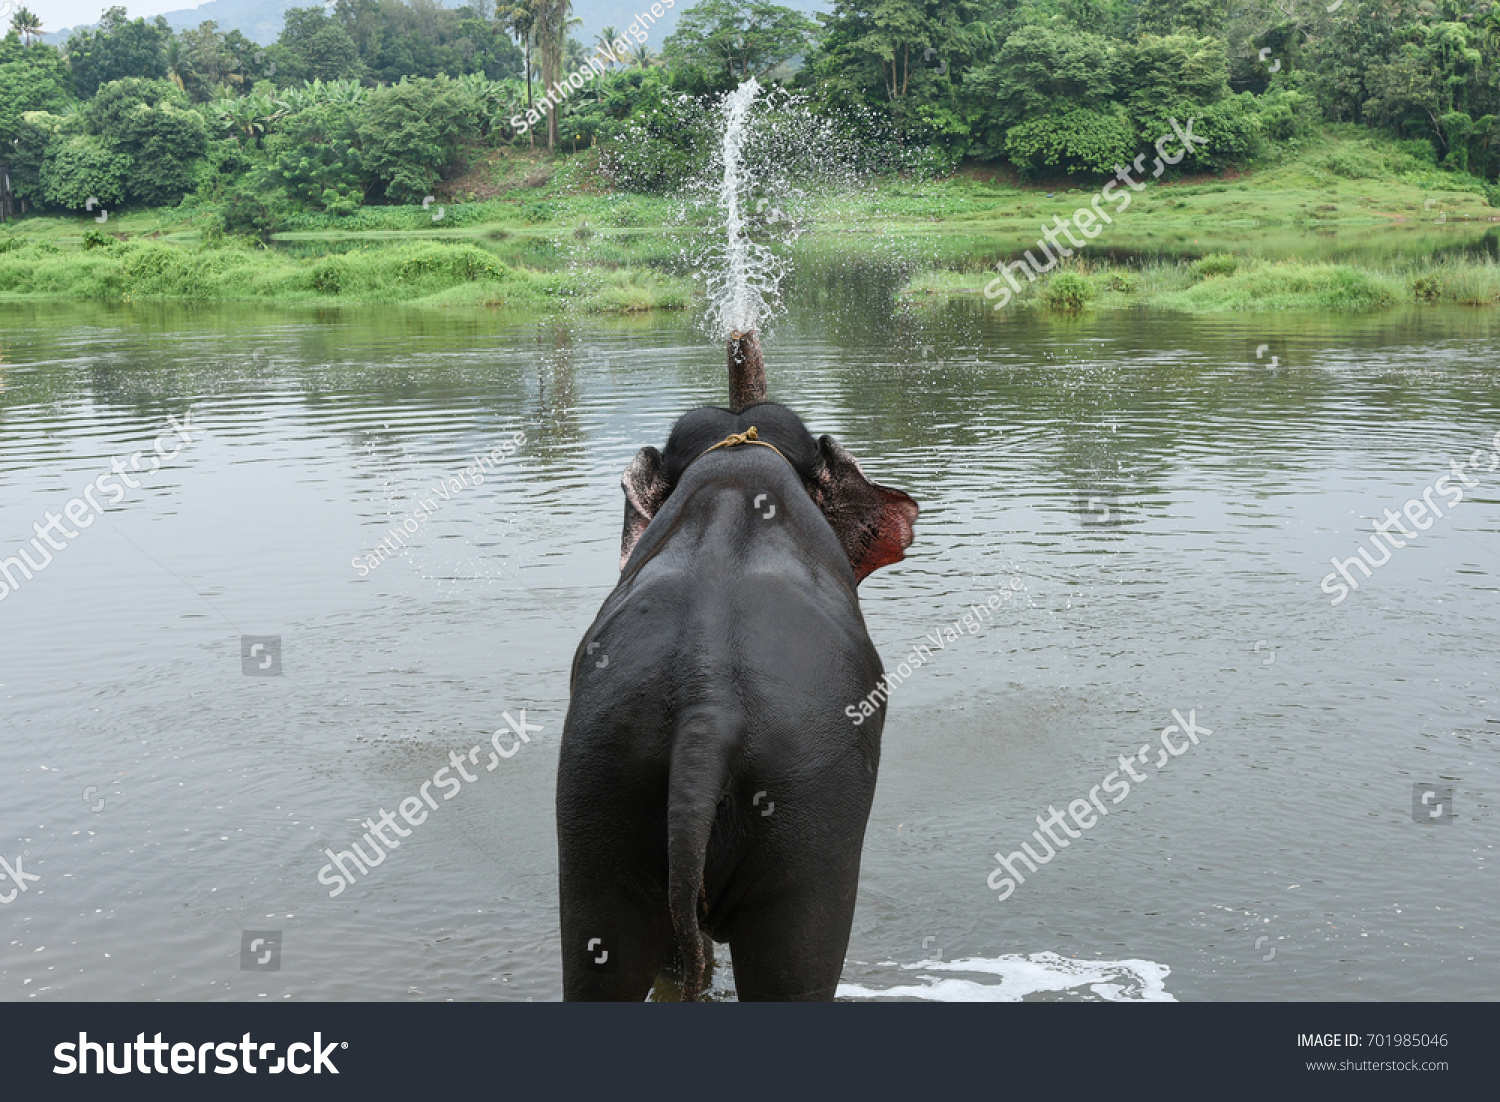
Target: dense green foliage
[
  {"x": 738, "y": 40},
  {"x": 136, "y": 141},
  {"x": 118, "y": 48},
  {"x": 382, "y": 101},
  {"x": 31, "y": 79}
]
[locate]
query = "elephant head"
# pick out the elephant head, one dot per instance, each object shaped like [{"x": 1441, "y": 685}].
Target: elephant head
[{"x": 873, "y": 523}]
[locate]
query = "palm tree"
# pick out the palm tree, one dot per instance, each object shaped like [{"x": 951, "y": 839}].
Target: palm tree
[
  {"x": 642, "y": 57},
  {"x": 179, "y": 64},
  {"x": 606, "y": 39},
  {"x": 519, "y": 18},
  {"x": 553, "y": 18},
  {"x": 1487, "y": 28},
  {"x": 26, "y": 24}
]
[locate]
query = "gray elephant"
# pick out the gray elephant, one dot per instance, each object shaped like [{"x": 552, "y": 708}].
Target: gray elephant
[{"x": 711, "y": 784}]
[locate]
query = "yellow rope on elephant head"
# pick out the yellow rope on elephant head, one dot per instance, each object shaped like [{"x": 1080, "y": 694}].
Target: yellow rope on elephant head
[{"x": 749, "y": 436}]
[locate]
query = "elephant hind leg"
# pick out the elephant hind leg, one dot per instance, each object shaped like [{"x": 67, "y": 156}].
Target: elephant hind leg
[
  {"x": 791, "y": 950},
  {"x": 613, "y": 949}
]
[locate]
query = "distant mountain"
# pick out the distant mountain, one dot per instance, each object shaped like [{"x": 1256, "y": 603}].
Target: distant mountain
[
  {"x": 598, "y": 14},
  {"x": 260, "y": 20},
  {"x": 257, "y": 20}
]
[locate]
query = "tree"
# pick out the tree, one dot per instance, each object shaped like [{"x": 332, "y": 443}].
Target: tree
[
  {"x": 1336, "y": 64},
  {"x": 519, "y": 17},
  {"x": 1167, "y": 74},
  {"x": 26, "y": 24},
  {"x": 1196, "y": 17},
  {"x": 314, "y": 155},
  {"x": 409, "y": 132},
  {"x": 214, "y": 62},
  {"x": 27, "y": 141},
  {"x": 553, "y": 18},
  {"x": 909, "y": 59},
  {"x": 1049, "y": 77},
  {"x": 407, "y": 38},
  {"x": 31, "y": 79},
  {"x": 1433, "y": 84},
  {"x": 179, "y": 64},
  {"x": 315, "y": 47},
  {"x": 79, "y": 167},
  {"x": 739, "y": 39},
  {"x": 1049, "y": 68},
  {"x": 118, "y": 48},
  {"x": 605, "y": 42},
  {"x": 340, "y": 145},
  {"x": 575, "y": 54},
  {"x": 483, "y": 46},
  {"x": 247, "y": 118},
  {"x": 146, "y": 123}
]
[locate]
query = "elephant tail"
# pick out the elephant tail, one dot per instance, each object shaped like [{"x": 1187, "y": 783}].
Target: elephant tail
[{"x": 699, "y": 775}]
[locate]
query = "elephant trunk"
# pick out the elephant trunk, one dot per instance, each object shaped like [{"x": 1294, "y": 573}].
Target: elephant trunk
[{"x": 747, "y": 371}]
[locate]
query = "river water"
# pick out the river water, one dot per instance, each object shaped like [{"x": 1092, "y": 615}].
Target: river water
[{"x": 1161, "y": 496}]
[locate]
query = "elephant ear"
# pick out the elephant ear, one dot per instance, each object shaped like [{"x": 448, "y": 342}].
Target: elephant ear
[
  {"x": 873, "y": 522},
  {"x": 646, "y": 488}
]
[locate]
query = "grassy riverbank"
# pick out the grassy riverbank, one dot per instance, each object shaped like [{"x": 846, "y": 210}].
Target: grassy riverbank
[
  {"x": 430, "y": 273},
  {"x": 1354, "y": 223},
  {"x": 1223, "y": 283}
]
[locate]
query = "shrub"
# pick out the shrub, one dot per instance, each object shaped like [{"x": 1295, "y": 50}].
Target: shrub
[
  {"x": 211, "y": 236},
  {"x": 80, "y": 167},
  {"x": 1081, "y": 140},
  {"x": 249, "y": 210},
  {"x": 1349, "y": 164},
  {"x": 404, "y": 271},
  {"x": 628, "y": 214},
  {"x": 225, "y": 164},
  {"x": 1287, "y": 116},
  {"x": 1215, "y": 264},
  {"x": 1420, "y": 150},
  {"x": 1230, "y": 129},
  {"x": 1067, "y": 293}
]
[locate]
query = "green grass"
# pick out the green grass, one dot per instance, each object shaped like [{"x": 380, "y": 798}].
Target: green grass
[
  {"x": 1288, "y": 285},
  {"x": 436, "y": 273},
  {"x": 1241, "y": 284},
  {"x": 1347, "y": 177},
  {"x": 1349, "y": 224}
]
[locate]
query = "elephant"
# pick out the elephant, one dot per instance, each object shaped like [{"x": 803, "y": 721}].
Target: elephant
[{"x": 711, "y": 786}]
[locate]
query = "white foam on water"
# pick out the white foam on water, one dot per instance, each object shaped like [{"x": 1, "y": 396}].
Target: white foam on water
[{"x": 1020, "y": 976}]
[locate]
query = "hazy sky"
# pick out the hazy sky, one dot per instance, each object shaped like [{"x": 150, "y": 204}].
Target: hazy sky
[{"x": 56, "y": 14}]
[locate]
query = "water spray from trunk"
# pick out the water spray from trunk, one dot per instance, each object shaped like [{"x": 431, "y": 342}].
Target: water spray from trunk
[{"x": 743, "y": 275}]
